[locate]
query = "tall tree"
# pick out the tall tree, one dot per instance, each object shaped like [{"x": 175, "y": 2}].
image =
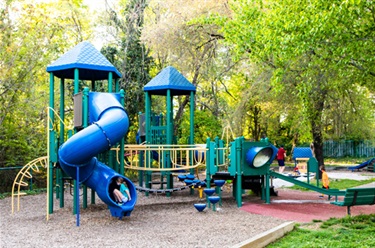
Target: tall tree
[
  {"x": 326, "y": 45},
  {"x": 31, "y": 36},
  {"x": 176, "y": 39},
  {"x": 129, "y": 54}
]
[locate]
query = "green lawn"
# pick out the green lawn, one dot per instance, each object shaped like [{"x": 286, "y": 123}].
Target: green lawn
[
  {"x": 357, "y": 231},
  {"x": 338, "y": 184},
  {"x": 331, "y": 162}
]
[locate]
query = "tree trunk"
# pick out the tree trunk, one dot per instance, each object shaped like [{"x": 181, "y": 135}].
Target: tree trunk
[
  {"x": 317, "y": 105},
  {"x": 318, "y": 143}
]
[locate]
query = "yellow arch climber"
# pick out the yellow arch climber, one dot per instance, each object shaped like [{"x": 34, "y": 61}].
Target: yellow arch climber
[{"x": 23, "y": 174}]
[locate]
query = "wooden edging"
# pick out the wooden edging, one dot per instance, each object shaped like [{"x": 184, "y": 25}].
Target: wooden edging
[{"x": 264, "y": 239}]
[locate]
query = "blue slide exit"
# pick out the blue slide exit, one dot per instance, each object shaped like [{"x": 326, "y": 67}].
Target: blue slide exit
[
  {"x": 109, "y": 123},
  {"x": 364, "y": 164}
]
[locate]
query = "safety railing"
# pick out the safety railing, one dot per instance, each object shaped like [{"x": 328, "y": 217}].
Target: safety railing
[
  {"x": 163, "y": 157},
  {"x": 222, "y": 158}
]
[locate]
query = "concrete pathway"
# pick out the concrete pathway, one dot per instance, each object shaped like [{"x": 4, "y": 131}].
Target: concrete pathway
[{"x": 279, "y": 183}]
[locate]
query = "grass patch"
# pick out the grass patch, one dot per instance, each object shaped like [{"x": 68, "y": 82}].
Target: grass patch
[
  {"x": 344, "y": 161},
  {"x": 331, "y": 162},
  {"x": 357, "y": 231},
  {"x": 28, "y": 192},
  {"x": 338, "y": 184}
]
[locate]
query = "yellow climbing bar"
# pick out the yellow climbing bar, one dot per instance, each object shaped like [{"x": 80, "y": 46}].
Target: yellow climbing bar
[{"x": 23, "y": 174}]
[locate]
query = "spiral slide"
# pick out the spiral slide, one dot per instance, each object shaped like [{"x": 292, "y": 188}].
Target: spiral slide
[{"x": 109, "y": 123}]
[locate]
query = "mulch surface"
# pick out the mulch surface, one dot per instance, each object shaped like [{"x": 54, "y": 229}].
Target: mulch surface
[{"x": 301, "y": 207}]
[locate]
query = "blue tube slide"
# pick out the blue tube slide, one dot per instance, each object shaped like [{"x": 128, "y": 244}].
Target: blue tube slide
[
  {"x": 109, "y": 123},
  {"x": 364, "y": 164}
]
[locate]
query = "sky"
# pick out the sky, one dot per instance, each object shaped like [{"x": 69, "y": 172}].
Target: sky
[
  {"x": 99, "y": 5},
  {"x": 96, "y": 4}
]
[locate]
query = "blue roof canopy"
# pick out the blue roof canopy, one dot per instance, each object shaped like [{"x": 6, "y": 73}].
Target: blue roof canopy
[
  {"x": 169, "y": 79},
  {"x": 91, "y": 63},
  {"x": 302, "y": 152}
]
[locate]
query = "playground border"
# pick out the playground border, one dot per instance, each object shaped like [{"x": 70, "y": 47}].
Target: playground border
[{"x": 264, "y": 239}]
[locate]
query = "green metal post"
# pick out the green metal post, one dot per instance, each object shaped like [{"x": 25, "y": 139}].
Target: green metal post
[
  {"x": 208, "y": 169},
  {"x": 268, "y": 200},
  {"x": 110, "y": 82},
  {"x": 62, "y": 188},
  {"x": 169, "y": 137},
  {"x": 85, "y": 107},
  {"x": 59, "y": 173},
  {"x": 51, "y": 146},
  {"x": 232, "y": 169},
  {"x": 169, "y": 117},
  {"x": 238, "y": 143},
  {"x": 148, "y": 117},
  {"x": 76, "y": 81},
  {"x": 76, "y": 184},
  {"x": 148, "y": 137},
  {"x": 192, "y": 109},
  {"x": 85, "y": 102},
  {"x": 192, "y": 105},
  {"x": 62, "y": 110}
]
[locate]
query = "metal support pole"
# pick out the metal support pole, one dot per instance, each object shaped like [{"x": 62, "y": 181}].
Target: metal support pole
[
  {"x": 77, "y": 198},
  {"x": 85, "y": 101},
  {"x": 238, "y": 144},
  {"x": 76, "y": 90},
  {"x": 110, "y": 82},
  {"x": 51, "y": 146},
  {"x": 268, "y": 200}
]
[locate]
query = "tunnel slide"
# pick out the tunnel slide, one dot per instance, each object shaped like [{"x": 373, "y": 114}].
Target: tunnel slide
[{"x": 109, "y": 123}]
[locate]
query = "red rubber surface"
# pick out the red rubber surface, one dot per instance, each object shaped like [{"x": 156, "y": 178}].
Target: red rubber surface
[{"x": 302, "y": 207}]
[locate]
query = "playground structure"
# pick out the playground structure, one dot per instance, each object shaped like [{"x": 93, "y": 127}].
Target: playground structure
[{"x": 101, "y": 122}]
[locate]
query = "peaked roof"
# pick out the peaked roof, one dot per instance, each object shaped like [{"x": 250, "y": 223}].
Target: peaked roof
[
  {"x": 169, "y": 79},
  {"x": 302, "y": 152},
  {"x": 91, "y": 63}
]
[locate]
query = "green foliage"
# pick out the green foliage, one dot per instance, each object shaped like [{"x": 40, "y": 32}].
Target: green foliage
[
  {"x": 205, "y": 126},
  {"x": 129, "y": 54},
  {"x": 32, "y": 35},
  {"x": 316, "y": 50},
  {"x": 344, "y": 232},
  {"x": 298, "y": 71}
]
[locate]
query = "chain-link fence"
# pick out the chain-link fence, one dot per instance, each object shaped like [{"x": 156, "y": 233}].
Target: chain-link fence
[
  {"x": 8, "y": 174},
  {"x": 349, "y": 148}
]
